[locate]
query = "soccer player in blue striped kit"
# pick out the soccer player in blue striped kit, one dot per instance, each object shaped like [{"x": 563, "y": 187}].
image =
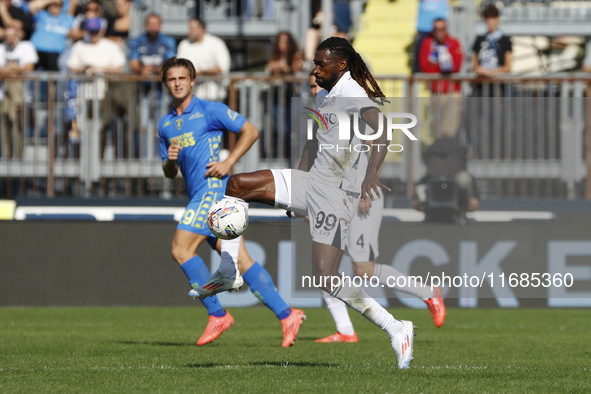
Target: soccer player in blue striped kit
[{"x": 190, "y": 139}]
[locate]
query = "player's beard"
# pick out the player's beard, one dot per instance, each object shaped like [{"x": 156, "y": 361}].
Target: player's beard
[{"x": 327, "y": 83}]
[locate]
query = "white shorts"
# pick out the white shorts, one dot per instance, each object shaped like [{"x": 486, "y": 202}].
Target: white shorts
[
  {"x": 329, "y": 209},
  {"x": 362, "y": 242}
]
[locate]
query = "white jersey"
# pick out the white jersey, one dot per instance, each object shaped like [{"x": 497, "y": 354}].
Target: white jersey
[{"x": 338, "y": 160}]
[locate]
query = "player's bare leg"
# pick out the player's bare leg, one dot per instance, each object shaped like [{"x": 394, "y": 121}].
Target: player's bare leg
[
  {"x": 184, "y": 245},
  {"x": 258, "y": 186}
]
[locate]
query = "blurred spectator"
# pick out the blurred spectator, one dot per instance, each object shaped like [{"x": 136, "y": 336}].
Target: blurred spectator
[
  {"x": 12, "y": 16},
  {"x": 492, "y": 51},
  {"x": 124, "y": 93},
  {"x": 93, "y": 58},
  {"x": 93, "y": 9},
  {"x": 259, "y": 8},
  {"x": 118, "y": 30},
  {"x": 314, "y": 35},
  {"x": 314, "y": 88},
  {"x": 342, "y": 15},
  {"x": 446, "y": 161},
  {"x": 51, "y": 32},
  {"x": 32, "y": 6},
  {"x": 428, "y": 11},
  {"x": 210, "y": 56},
  {"x": 492, "y": 55},
  {"x": 85, "y": 10},
  {"x": 2, "y": 93},
  {"x": 110, "y": 8},
  {"x": 2, "y": 70},
  {"x": 586, "y": 67},
  {"x": 442, "y": 54},
  {"x": 286, "y": 58},
  {"x": 20, "y": 57},
  {"x": 147, "y": 53},
  {"x": 21, "y": 4}
]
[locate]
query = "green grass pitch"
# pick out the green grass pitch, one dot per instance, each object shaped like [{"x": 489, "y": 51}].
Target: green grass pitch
[{"x": 153, "y": 350}]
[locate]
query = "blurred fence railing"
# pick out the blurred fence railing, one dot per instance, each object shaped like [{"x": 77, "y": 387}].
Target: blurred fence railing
[{"x": 66, "y": 136}]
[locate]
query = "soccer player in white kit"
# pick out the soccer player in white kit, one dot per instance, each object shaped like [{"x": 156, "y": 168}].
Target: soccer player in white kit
[
  {"x": 362, "y": 246},
  {"x": 329, "y": 193}
]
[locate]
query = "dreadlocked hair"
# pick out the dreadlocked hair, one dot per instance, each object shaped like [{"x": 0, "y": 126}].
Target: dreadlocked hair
[{"x": 342, "y": 49}]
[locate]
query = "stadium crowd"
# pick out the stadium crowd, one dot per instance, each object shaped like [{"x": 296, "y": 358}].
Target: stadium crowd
[{"x": 66, "y": 36}]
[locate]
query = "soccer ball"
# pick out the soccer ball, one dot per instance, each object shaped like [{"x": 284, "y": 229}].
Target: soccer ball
[{"x": 227, "y": 219}]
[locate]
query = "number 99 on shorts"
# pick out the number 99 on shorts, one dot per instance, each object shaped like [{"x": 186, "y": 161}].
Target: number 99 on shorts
[{"x": 325, "y": 224}]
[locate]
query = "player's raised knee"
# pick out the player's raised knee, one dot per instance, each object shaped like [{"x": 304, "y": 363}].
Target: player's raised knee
[{"x": 235, "y": 185}]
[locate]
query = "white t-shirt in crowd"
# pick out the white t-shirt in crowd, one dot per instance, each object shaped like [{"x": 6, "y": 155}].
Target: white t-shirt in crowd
[
  {"x": 23, "y": 53},
  {"x": 104, "y": 53},
  {"x": 211, "y": 52}
]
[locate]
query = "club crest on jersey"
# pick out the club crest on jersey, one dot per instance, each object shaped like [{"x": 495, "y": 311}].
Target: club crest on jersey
[{"x": 179, "y": 124}]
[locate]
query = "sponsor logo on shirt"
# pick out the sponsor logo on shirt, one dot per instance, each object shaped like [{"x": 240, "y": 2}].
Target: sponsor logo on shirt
[
  {"x": 183, "y": 140},
  {"x": 196, "y": 116}
]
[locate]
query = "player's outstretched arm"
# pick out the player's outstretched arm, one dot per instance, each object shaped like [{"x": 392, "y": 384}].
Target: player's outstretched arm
[
  {"x": 371, "y": 183},
  {"x": 248, "y": 135}
]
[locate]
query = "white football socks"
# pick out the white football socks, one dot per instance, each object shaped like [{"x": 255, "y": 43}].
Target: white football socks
[
  {"x": 229, "y": 255},
  {"x": 389, "y": 275},
  {"x": 340, "y": 314},
  {"x": 230, "y": 248},
  {"x": 359, "y": 300}
]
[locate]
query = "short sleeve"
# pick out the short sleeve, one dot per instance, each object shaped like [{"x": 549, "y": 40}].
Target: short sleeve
[
  {"x": 29, "y": 54},
  {"x": 222, "y": 118},
  {"x": 507, "y": 45},
  {"x": 476, "y": 45}
]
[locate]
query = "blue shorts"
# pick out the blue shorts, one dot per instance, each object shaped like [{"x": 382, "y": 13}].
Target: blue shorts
[{"x": 195, "y": 217}]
